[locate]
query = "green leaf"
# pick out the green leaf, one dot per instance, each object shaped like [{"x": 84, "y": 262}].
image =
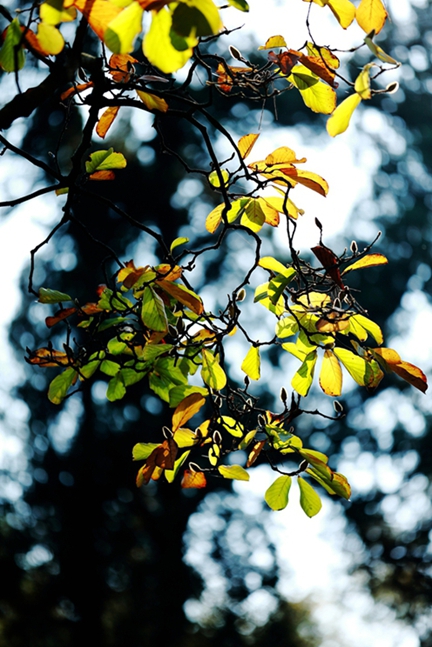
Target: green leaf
[
  {"x": 212, "y": 373},
  {"x": 253, "y": 216},
  {"x": 46, "y": 295},
  {"x": 231, "y": 425},
  {"x": 171, "y": 474},
  {"x": 286, "y": 327},
  {"x": 105, "y": 160},
  {"x": 235, "y": 472},
  {"x": 116, "y": 388},
  {"x": 89, "y": 369},
  {"x": 194, "y": 18},
  {"x": 177, "y": 242},
  {"x": 161, "y": 46},
  {"x": 309, "y": 499},
  {"x": 153, "y": 313},
  {"x": 270, "y": 263},
  {"x": 277, "y": 494},
  {"x": 151, "y": 351},
  {"x": 109, "y": 367},
  {"x": 214, "y": 180},
  {"x": 302, "y": 380},
  {"x": 179, "y": 393},
  {"x": 318, "y": 96},
  {"x": 141, "y": 451},
  {"x": 241, "y": 5},
  {"x": 252, "y": 363},
  {"x": 60, "y": 385},
  {"x": 12, "y": 56}
]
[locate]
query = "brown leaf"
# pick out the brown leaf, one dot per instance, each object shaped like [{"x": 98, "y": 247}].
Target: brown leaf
[
  {"x": 59, "y": 316},
  {"x": 106, "y": 120},
  {"x": 121, "y": 66},
  {"x": 330, "y": 263},
  {"x": 47, "y": 357},
  {"x": 186, "y": 409},
  {"x": 285, "y": 60}
]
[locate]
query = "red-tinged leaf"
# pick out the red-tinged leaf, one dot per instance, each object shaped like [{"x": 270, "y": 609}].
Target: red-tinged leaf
[
  {"x": 47, "y": 357},
  {"x": 183, "y": 295},
  {"x": 32, "y": 43},
  {"x": 102, "y": 175},
  {"x": 121, "y": 66},
  {"x": 371, "y": 260},
  {"x": 193, "y": 479},
  {"x": 330, "y": 263},
  {"x": 91, "y": 309},
  {"x": 167, "y": 272},
  {"x": 59, "y": 316},
  {"x": 333, "y": 322},
  {"x": 75, "y": 89},
  {"x": 411, "y": 374},
  {"x": 187, "y": 409},
  {"x": 256, "y": 451},
  {"x": 311, "y": 180},
  {"x": 153, "y": 5},
  {"x": 246, "y": 144},
  {"x": 106, "y": 121},
  {"x": 285, "y": 60},
  {"x": 317, "y": 65},
  {"x": 227, "y": 76},
  {"x": 166, "y": 454}
]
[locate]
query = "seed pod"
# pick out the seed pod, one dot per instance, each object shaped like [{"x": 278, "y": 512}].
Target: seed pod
[
  {"x": 283, "y": 395},
  {"x": 194, "y": 467},
  {"x": 217, "y": 437},
  {"x": 167, "y": 433},
  {"x": 337, "y": 304},
  {"x": 241, "y": 295},
  {"x": 235, "y": 53},
  {"x": 392, "y": 87},
  {"x": 337, "y": 406},
  {"x": 261, "y": 420},
  {"x": 318, "y": 224},
  {"x": 172, "y": 330},
  {"x": 354, "y": 247}
]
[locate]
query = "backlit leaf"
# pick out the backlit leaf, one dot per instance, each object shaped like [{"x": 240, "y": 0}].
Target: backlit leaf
[
  {"x": 378, "y": 51},
  {"x": 116, "y": 388},
  {"x": 171, "y": 474},
  {"x": 194, "y": 18},
  {"x": 287, "y": 327},
  {"x": 370, "y": 326},
  {"x": 141, "y": 451},
  {"x": 121, "y": 32},
  {"x": 153, "y": 314},
  {"x": 105, "y": 160},
  {"x": 50, "y": 39},
  {"x": 59, "y": 316},
  {"x": 309, "y": 499},
  {"x": 371, "y": 15},
  {"x": 106, "y": 120},
  {"x": 363, "y": 372},
  {"x": 152, "y": 102},
  {"x": 270, "y": 263},
  {"x": 12, "y": 56},
  {"x": 46, "y": 295},
  {"x": 246, "y": 144},
  {"x": 343, "y": 10},
  {"x": 159, "y": 46},
  {"x": 186, "y": 409},
  {"x": 253, "y": 216},
  {"x": 47, "y": 357},
  {"x": 177, "y": 242},
  {"x": 302, "y": 380},
  {"x": 235, "y": 472},
  {"x": 283, "y": 155},
  {"x": 311, "y": 180},
  {"x": 340, "y": 119},
  {"x": 319, "y": 67},
  {"x": 241, "y": 5},
  {"x": 121, "y": 66},
  {"x": 370, "y": 260},
  {"x": 212, "y": 373},
  {"x": 251, "y": 364},
  {"x": 276, "y": 495},
  {"x": 99, "y": 14},
  {"x": 362, "y": 82},
  {"x": 318, "y": 96},
  {"x": 214, "y": 179},
  {"x": 53, "y": 13},
  {"x": 182, "y": 294},
  {"x": 273, "y": 42},
  {"x": 256, "y": 451},
  {"x": 102, "y": 175},
  {"x": 193, "y": 479},
  {"x": 61, "y": 384},
  {"x": 391, "y": 361},
  {"x": 330, "y": 379}
]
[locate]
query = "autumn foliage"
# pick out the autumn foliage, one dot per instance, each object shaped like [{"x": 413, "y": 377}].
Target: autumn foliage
[{"x": 147, "y": 324}]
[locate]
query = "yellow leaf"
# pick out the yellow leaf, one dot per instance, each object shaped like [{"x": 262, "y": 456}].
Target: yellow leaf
[
  {"x": 343, "y": 10},
  {"x": 214, "y": 178},
  {"x": 158, "y": 46},
  {"x": 152, "y": 102},
  {"x": 318, "y": 96},
  {"x": 99, "y": 14},
  {"x": 246, "y": 143},
  {"x": 371, "y": 15},
  {"x": 272, "y": 217},
  {"x": 370, "y": 260},
  {"x": 53, "y": 13},
  {"x": 253, "y": 217},
  {"x": 324, "y": 53},
  {"x": 362, "y": 82},
  {"x": 251, "y": 364},
  {"x": 50, "y": 38},
  {"x": 274, "y": 41},
  {"x": 193, "y": 18},
  {"x": 378, "y": 51},
  {"x": 283, "y": 155},
  {"x": 339, "y": 121},
  {"x": 302, "y": 380},
  {"x": 235, "y": 472},
  {"x": 363, "y": 372},
  {"x": 186, "y": 409},
  {"x": 331, "y": 374},
  {"x": 281, "y": 205},
  {"x": 369, "y": 326},
  {"x": 270, "y": 263},
  {"x": 106, "y": 120},
  {"x": 408, "y": 372},
  {"x": 212, "y": 373},
  {"x": 185, "y": 438},
  {"x": 311, "y": 180},
  {"x": 262, "y": 295}
]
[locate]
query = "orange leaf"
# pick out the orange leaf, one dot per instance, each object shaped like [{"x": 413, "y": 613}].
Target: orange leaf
[
  {"x": 285, "y": 60},
  {"x": 316, "y": 65},
  {"x": 120, "y": 67},
  {"x": 48, "y": 357},
  {"x": 256, "y": 451},
  {"x": 99, "y": 13},
  {"x": 311, "y": 180},
  {"x": 182, "y": 295},
  {"x": 102, "y": 175},
  {"x": 186, "y": 409},
  {"x": 75, "y": 89},
  {"x": 167, "y": 272},
  {"x": 59, "y": 316},
  {"x": 152, "y": 102},
  {"x": 411, "y": 374},
  {"x": 105, "y": 122},
  {"x": 193, "y": 479},
  {"x": 91, "y": 309}
]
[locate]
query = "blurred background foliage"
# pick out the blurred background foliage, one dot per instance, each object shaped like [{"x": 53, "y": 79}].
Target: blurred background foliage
[{"x": 82, "y": 551}]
